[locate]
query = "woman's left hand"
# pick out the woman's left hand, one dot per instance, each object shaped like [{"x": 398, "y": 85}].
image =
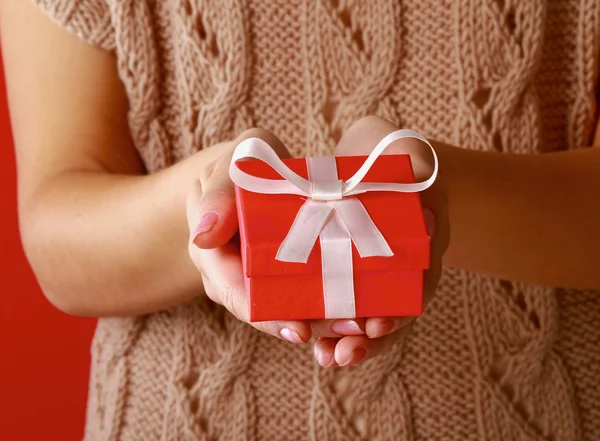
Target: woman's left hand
[{"x": 382, "y": 333}]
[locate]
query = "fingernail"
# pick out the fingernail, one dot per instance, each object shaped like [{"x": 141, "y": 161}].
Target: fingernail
[
  {"x": 291, "y": 336},
  {"x": 346, "y": 327},
  {"x": 206, "y": 223},
  {"x": 357, "y": 356},
  {"x": 320, "y": 356},
  {"x": 429, "y": 221},
  {"x": 385, "y": 327}
]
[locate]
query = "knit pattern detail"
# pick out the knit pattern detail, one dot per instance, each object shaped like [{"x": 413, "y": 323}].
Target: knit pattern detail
[
  {"x": 89, "y": 20},
  {"x": 490, "y": 359}
]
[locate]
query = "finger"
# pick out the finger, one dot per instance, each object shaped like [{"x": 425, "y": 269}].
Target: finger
[
  {"x": 363, "y": 135},
  {"x": 439, "y": 231},
  {"x": 337, "y": 328},
  {"x": 353, "y": 350},
  {"x": 324, "y": 351},
  {"x": 224, "y": 284},
  {"x": 191, "y": 206},
  {"x": 429, "y": 221},
  {"x": 215, "y": 209},
  {"x": 432, "y": 276},
  {"x": 268, "y": 137},
  {"x": 193, "y": 217},
  {"x": 217, "y": 218},
  {"x": 376, "y": 327}
]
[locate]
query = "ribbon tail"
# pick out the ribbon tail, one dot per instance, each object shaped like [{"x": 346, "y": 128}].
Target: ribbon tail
[
  {"x": 337, "y": 270},
  {"x": 305, "y": 230},
  {"x": 366, "y": 236}
]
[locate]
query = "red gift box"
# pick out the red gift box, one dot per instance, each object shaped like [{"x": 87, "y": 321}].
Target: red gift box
[{"x": 383, "y": 286}]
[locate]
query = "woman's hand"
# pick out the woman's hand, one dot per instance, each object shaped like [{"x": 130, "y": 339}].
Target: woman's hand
[
  {"x": 381, "y": 334},
  {"x": 214, "y": 247}
]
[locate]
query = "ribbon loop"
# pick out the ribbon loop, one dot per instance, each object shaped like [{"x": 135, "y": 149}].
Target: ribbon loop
[{"x": 356, "y": 180}]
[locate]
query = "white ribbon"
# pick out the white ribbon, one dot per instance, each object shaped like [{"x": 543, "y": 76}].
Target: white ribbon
[{"x": 329, "y": 213}]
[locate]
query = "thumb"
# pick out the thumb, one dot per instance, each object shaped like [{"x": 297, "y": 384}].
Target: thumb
[{"x": 211, "y": 204}]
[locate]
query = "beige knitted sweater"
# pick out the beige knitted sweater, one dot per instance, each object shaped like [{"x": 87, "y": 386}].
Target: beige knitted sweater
[{"x": 491, "y": 359}]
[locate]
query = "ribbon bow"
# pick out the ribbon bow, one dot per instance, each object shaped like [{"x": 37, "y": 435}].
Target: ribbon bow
[{"x": 329, "y": 213}]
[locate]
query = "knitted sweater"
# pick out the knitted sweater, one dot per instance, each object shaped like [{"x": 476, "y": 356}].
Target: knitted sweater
[{"x": 490, "y": 359}]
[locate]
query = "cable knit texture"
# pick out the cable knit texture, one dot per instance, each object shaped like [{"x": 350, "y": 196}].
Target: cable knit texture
[{"x": 490, "y": 359}]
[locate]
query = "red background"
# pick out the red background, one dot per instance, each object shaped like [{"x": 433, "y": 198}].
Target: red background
[{"x": 44, "y": 354}]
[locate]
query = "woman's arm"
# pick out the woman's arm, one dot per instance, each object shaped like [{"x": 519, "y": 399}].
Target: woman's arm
[
  {"x": 531, "y": 218},
  {"x": 102, "y": 237}
]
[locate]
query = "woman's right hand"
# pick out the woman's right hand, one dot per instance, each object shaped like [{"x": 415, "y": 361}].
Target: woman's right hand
[{"x": 214, "y": 246}]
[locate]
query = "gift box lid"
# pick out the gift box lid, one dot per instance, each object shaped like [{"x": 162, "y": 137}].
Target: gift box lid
[{"x": 265, "y": 219}]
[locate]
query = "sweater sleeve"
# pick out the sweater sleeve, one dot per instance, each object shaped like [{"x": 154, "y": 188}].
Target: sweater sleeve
[{"x": 89, "y": 20}]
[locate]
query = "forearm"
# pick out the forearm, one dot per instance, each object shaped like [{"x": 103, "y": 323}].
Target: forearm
[
  {"x": 531, "y": 218},
  {"x": 106, "y": 244}
]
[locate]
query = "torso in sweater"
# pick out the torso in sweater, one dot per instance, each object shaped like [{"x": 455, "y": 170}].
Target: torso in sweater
[{"x": 490, "y": 359}]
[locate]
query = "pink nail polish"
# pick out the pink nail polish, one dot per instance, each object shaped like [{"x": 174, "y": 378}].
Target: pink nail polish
[
  {"x": 291, "y": 336},
  {"x": 321, "y": 358},
  {"x": 346, "y": 327},
  {"x": 206, "y": 223}
]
